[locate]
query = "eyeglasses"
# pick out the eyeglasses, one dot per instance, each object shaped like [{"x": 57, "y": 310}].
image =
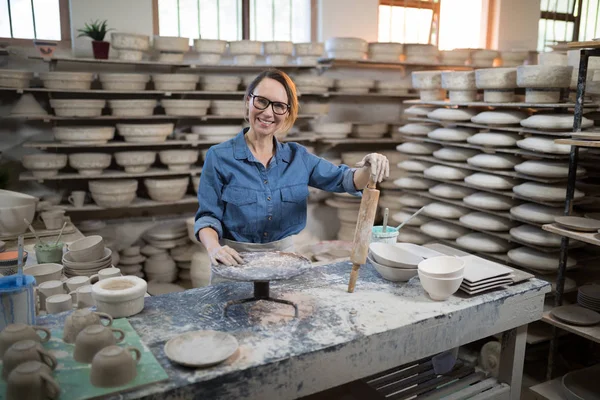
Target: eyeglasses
[{"x": 262, "y": 103}]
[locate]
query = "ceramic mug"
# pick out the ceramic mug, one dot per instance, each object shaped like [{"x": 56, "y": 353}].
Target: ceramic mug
[
  {"x": 23, "y": 351},
  {"x": 77, "y": 198},
  {"x": 14, "y": 333},
  {"x": 53, "y": 218},
  {"x": 114, "y": 366},
  {"x": 80, "y": 319},
  {"x": 76, "y": 282},
  {"x": 84, "y": 297},
  {"x": 31, "y": 380},
  {"x": 94, "y": 338},
  {"x": 105, "y": 273},
  {"x": 47, "y": 289},
  {"x": 58, "y": 303}
]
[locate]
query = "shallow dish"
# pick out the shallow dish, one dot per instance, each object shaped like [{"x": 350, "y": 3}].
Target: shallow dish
[
  {"x": 392, "y": 274},
  {"x": 201, "y": 348},
  {"x": 578, "y": 223},
  {"x": 392, "y": 256}
]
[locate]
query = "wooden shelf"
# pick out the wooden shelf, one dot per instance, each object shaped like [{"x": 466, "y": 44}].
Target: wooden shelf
[
  {"x": 167, "y": 143},
  {"x": 549, "y": 390},
  {"x": 589, "y": 332},
  {"x": 47, "y": 118},
  {"x": 579, "y": 142},
  {"x": 590, "y": 44},
  {"x": 137, "y": 203},
  {"x": 591, "y": 238},
  {"x": 110, "y": 174},
  {"x": 448, "y": 103},
  {"x": 338, "y": 62}
]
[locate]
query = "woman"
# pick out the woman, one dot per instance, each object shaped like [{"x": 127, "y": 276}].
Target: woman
[{"x": 253, "y": 188}]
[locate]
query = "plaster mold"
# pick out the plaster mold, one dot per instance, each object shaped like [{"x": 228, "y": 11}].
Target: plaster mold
[{"x": 124, "y": 82}]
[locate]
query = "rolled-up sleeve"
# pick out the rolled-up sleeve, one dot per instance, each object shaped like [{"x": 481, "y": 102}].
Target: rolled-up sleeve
[
  {"x": 210, "y": 208},
  {"x": 327, "y": 176}
]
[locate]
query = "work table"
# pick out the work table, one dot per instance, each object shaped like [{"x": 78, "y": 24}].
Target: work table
[{"x": 338, "y": 336}]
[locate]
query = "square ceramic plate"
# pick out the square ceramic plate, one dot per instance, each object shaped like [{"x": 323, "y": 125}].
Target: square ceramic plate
[
  {"x": 494, "y": 281},
  {"x": 479, "y": 269},
  {"x": 485, "y": 289}
]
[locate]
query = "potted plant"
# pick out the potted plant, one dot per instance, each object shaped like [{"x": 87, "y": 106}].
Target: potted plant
[{"x": 96, "y": 31}]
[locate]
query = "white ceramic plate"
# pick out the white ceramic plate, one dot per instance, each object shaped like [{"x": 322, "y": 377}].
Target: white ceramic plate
[{"x": 201, "y": 348}]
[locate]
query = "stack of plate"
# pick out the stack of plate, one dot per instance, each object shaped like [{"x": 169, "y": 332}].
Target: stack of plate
[
  {"x": 588, "y": 296},
  {"x": 167, "y": 235},
  {"x": 131, "y": 261},
  {"x": 88, "y": 268},
  {"x": 182, "y": 256},
  {"x": 482, "y": 275}
]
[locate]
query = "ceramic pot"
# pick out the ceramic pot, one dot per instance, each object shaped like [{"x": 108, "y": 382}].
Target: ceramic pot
[
  {"x": 23, "y": 351},
  {"x": 94, "y": 338},
  {"x": 16, "y": 332},
  {"x": 80, "y": 319},
  {"x": 114, "y": 366}
]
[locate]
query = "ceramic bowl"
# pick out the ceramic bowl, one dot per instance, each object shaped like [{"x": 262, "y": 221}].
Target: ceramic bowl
[
  {"x": 210, "y": 46},
  {"x": 14, "y": 207},
  {"x": 171, "y": 43},
  {"x": 130, "y": 41},
  {"x": 439, "y": 288},
  {"x": 83, "y": 134},
  {"x": 392, "y": 274},
  {"x": 90, "y": 163},
  {"x": 120, "y": 296},
  {"x": 87, "y": 249},
  {"x": 44, "y": 272},
  {"x": 166, "y": 190},
  {"x": 443, "y": 267},
  {"x": 113, "y": 187},
  {"x": 118, "y": 81},
  {"x": 44, "y": 165},
  {"x": 392, "y": 256},
  {"x": 69, "y": 262},
  {"x": 135, "y": 161}
]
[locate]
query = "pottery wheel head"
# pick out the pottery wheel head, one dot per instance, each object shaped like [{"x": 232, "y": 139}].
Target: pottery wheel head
[{"x": 264, "y": 266}]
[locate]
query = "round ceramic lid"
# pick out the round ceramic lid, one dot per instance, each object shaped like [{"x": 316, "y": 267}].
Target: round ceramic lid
[
  {"x": 201, "y": 348},
  {"x": 576, "y": 315}
]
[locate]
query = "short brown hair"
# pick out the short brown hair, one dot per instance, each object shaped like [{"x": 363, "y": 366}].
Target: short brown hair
[{"x": 290, "y": 90}]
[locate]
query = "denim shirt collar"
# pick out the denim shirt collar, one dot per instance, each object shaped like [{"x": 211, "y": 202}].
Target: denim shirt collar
[{"x": 242, "y": 152}]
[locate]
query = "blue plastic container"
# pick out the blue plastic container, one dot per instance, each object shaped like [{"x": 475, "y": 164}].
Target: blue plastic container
[{"x": 17, "y": 303}]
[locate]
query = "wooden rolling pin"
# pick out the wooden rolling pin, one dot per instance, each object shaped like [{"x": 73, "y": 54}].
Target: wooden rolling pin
[{"x": 362, "y": 235}]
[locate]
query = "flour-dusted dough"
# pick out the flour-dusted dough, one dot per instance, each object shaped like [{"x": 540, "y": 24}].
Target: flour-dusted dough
[
  {"x": 414, "y": 182},
  {"x": 481, "y": 242},
  {"x": 454, "y": 154},
  {"x": 546, "y": 169},
  {"x": 538, "y": 260},
  {"x": 494, "y": 139},
  {"x": 414, "y": 165},
  {"x": 448, "y": 191},
  {"x": 443, "y": 210},
  {"x": 452, "y": 114},
  {"x": 486, "y": 222},
  {"x": 490, "y": 201},
  {"x": 554, "y": 122},
  {"x": 451, "y": 134},
  {"x": 417, "y": 148},
  {"x": 494, "y": 161},
  {"x": 544, "y": 192},
  {"x": 535, "y": 236},
  {"x": 536, "y": 213},
  {"x": 489, "y": 181},
  {"x": 446, "y": 173},
  {"x": 443, "y": 230},
  {"x": 544, "y": 145},
  {"x": 416, "y": 129},
  {"x": 505, "y": 117}
]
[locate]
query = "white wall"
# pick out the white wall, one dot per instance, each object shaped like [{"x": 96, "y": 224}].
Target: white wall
[
  {"x": 357, "y": 18},
  {"x": 516, "y": 25},
  {"x": 132, "y": 16}
]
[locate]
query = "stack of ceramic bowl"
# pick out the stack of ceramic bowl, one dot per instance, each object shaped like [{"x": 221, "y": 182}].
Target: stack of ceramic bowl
[
  {"x": 312, "y": 83},
  {"x": 385, "y": 52},
  {"x": 90, "y": 163},
  {"x": 543, "y": 83},
  {"x": 122, "y": 82},
  {"x": 218, "y": 133},
  {"x": 420, "y": 53},
  {"x": 185, "y": 108},
  {"x": 308, "y": 53},
  {"x": 441, "y": 276},
  {"x": 350, "y": 204},
  {"x": 244, "y": 52},
  {"x": 135, "y": 162},
  {"x": 87, "y": 256},
  {"x": 113, "y": 193},
  {"x": 166, "y": 236},
  {"x": 346, "y": 48},
  {"x": 175, "y": 82},
  {"x": 498, "y": 84},
  {"x": 179, "y": 160},
  {"x": 83, "y": 134},
  {"x": 228, "y": 108},
  {"x": 166, "y": 190},
  {"x": 182, "y": 255},
  {"x": 460, "y": 85},
  {"x": 393, "y": 262},
  {"x": 67, "y": 80},
  {"x": 132, "y": 108},
  {"x": 220, "y": 83},
  {"x": 77, "y": 107},
  {"x": 483, "y": 58},
  {"x": 131, "y": 260},
  {"x": 429, "y": 85},
  {"x": 145, "y": 133},
  {"x": 160, "y": 268},
  {"x": 209, "y": 50},
  {"x": 455, "y": 57},
  {"x": 513, "y": 58},
  {"x": 28, "y": 106},
  {"x": 369, "y": 131},
  {"x": 398, "y": 87},
  {"x": 277, "y": 53},
  {"x": 354, "y": 85},
  {"x": 11, "y": 78},
  {"x": 44, "y": 165},
  {"x": 131, "y": 46},
  {"x": 171, "y": 48}
]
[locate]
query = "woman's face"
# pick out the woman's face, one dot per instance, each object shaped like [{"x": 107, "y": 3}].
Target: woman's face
[{"x": 266, "y": 122}]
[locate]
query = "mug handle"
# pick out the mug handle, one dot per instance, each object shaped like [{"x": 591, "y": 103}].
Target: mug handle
[
  {"x": 71, "y": 200},
  {"x": 121, "y": 334},
  {"x": 51, "y": 386},
  {"x": 45, "y": 330},
  {"x": 48, "y": 358},
  {"x": 104, "y": 315},
  {"x": 138, "y": 354},
  {"x": 94, "y": 278}
]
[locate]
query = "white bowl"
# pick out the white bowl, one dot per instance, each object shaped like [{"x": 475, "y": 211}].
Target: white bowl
[
  {"x": 176, "y": 157},
  {"x": 113, "y": 186},
  {"x": 392, "y": 256},
  {"x": 175, "y": 81},
  {"x": 44, "y": 272},
  {"x": 439, "y": 288},
  {"x": 392, "y": 274},
  {"x": 118, "y": 81},
  {"x": 171, "y": 43},
  {"x": 14, "y": 207},
  {"x": 210, "y": 46},
  {"x": 138, "y": 161},
  {"x": 121, "y": 296},
  {"x": 166, "y": 190},
  {"x": 132, "y": 108},
  {"x": 443, "y": 267},
  {"x": 77, "y": 107},
  {"x": 67, "y": 80},
  {"x": 245, "y": 47},
  {"x": 83, "y": 134},
  {"x": 130, "y": 41},
  {"x": 90, "y": 248},
  {"x": 90, "y": 163}
]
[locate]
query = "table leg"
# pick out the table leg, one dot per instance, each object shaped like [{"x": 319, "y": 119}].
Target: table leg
[{"x": 512, "y": 357}]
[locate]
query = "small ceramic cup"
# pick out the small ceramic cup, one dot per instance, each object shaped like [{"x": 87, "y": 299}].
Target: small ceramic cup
[
  {"x": 31, "y": 380},
  {"x": 84, "y": 297},
  {"x": 114, "y": 366},
  {"x": 77, "y": 198},
  {"x": 105, "y": 273},
  {"x": 53, "y": 218},
  {"x": 47, "y": 289},
  {"x": 80, "y": 319},
  {"x": 76, "y": 282},
  {"x": 94, "y": 338},
  {"x": 14, "y": 333},
  {"x": 58, "y": 303},
  {"x": 23, "y": 351}
]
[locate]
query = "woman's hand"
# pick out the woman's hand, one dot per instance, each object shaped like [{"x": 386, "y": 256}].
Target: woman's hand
[
  {"x": 224, "y": 255},
  {"x": 377, "y": 165}
]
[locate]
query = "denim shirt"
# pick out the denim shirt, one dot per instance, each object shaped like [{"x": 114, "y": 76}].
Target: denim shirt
[{"x": 244, "y": 201}]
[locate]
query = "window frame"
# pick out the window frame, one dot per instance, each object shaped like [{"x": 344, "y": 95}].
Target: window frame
[
  {"x": 433, "y": 5},
  {"x": 573, "y": 16},
  {"x": 65, "y": 30}
]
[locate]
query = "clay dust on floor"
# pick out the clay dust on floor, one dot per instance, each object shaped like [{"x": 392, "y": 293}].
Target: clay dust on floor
[{"x": 268, "y": 313}]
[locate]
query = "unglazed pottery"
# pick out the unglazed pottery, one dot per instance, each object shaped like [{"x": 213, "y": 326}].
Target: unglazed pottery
[
  {"x": 11, "y": 78},
  {"x": 452, "y": 114},
  {"x": 448, "y": 191},
  {"x": 451, "y": 134},
  {"x": 123, "y": 82},
  {"x": 536, "y": 213},
  {"x": 489, "y": 201},
  {"x": 490, "y": 181},
  {"x": 166, "y": 189},
  {"x": 87, "y": 249},
  {"x": 443, "y": 210},
  {"x": 23, "y": 351},
  {"x": 132, "y": 108},
  {"x": 439, "y": 289},
  {"x": 544, "y": 192},
  {"x": 44, "y": 272},
  {"x": 93, "y": 338},
  {"x": 90, "y": 163},
  {"x": 503, "y": 117},
  {"x": 482, "y": 242},
  {"x": 27, "y": 106},
  {"x": 130, "y": 41},
  {"x": 488, "y": 222},
  {"x": 391, "y": 256},
  {"x": 79, "y": 320},
  {"x": 494, "y": 139},
  {"x": 83, "y": 134},
  {"x": 121, "y": 296},
  {"x": 114, "y": 366},
  {"x": 58, "y": 303},
  {"x": 31, "y": 380},
  {"x": 443, "y": 230},
  {"x": 77, "y": 107},
  {"x": 67, "y": 80},
  {"x": 17, "y": 332},
  {"x": 135, "y": 161},
  {"x": 44, "y": 165}
]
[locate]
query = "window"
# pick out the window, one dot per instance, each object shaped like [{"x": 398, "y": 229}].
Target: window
[
  {"x": 262, "y": 20},
  {"x": 567, "y": 20},
  {"x": 408, "y": 21},
  {"x": 33, "y": 19}
]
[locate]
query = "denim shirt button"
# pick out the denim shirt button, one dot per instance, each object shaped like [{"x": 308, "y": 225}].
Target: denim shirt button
[
  {"x": 269, "y": 198},
  {"x": 265, "y": 234}
]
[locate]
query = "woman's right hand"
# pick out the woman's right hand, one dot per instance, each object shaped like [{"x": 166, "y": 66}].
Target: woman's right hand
[{"x": 225, "y": 255}]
